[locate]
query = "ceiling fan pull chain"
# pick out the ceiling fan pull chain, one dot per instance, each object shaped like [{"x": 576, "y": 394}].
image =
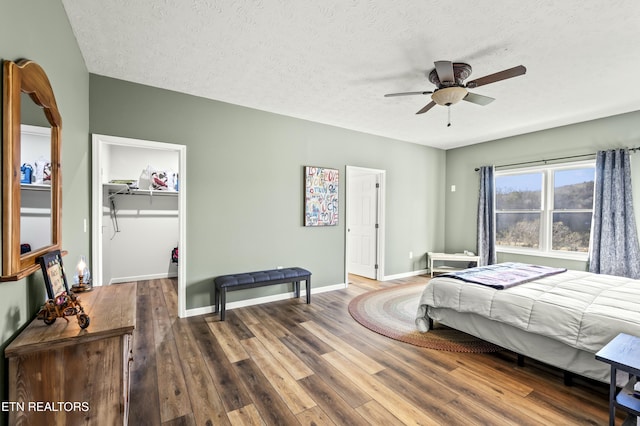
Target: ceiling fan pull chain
[{"x": 449, "y": 116}]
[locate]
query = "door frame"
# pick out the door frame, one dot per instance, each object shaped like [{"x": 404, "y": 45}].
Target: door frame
[
  {"x": 380, "y": 214},
  {"x": 98, "y": 143}
]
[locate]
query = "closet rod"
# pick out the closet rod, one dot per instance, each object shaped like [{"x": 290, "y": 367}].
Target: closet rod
[
  {"x": 119, "y": 191},
  {"x": 555, "y": 159}
]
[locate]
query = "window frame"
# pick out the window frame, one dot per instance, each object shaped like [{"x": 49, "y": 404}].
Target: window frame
[{"x": 546, "y": 210}]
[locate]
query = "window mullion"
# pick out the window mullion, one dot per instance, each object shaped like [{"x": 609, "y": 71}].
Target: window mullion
[{"x": 547, "y": 208}]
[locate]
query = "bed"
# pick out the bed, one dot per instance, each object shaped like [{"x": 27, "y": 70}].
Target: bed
[{"x": 561, "y": 319}]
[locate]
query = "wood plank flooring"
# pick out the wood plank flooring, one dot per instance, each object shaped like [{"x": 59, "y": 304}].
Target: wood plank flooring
[{"x": 288, "y": 363}]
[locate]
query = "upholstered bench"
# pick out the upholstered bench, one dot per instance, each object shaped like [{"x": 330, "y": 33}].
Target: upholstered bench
[{"x": 242, "y": 281}]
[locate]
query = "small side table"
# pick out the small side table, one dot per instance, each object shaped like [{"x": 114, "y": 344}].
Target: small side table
[
  {"x": 623, "y": 353},
  {"x": 444, "y": 257}
]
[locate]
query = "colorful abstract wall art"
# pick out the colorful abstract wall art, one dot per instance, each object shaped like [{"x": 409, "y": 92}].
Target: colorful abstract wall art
[{"x": 320, "y": 196}]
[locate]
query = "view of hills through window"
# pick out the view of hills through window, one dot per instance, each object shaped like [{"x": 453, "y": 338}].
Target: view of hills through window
[{"x": 524, "y": 219}]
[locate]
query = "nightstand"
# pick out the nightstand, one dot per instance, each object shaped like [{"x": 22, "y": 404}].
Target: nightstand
[{"x": 623, "y": 353}]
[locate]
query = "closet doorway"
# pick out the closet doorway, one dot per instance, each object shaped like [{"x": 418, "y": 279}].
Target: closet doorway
[
  {"x": 365, "y": 223},
  {"x": 138, "y": 211}
]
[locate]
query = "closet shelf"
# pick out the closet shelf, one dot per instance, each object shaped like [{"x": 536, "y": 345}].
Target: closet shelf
[
  {"x": 116, "y": 189},
  {"x": 35, "y": 187}
]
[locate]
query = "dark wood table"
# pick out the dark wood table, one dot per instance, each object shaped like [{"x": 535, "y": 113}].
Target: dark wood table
[{"x": 623, "y": 353}]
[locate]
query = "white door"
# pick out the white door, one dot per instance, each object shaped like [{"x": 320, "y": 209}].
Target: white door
[{"x": 362, "y": 226}]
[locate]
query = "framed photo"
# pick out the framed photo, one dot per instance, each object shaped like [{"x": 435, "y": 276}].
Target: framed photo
[
  {"x": 53, "y": 271},
  {"x": 321, "y": 196}
]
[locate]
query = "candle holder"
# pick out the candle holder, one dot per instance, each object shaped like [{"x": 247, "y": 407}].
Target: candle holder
[
  {"x": 81, "y": 285},
  {"x": 83, "y": 278}
]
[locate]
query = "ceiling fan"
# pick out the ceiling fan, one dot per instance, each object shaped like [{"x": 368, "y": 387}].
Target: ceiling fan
[{"x": 450, "y": 87}]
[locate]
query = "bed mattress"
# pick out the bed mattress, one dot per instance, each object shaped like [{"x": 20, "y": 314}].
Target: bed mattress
[{"x": 579, "y": 309}]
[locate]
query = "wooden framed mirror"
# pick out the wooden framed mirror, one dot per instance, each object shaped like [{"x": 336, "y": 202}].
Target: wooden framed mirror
[{"x": 26, "y": 88}]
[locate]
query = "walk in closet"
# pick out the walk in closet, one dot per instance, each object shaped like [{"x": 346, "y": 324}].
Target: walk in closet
[
  {"x": 140, "y": 188},
  {"x": 135, "y": 225}
]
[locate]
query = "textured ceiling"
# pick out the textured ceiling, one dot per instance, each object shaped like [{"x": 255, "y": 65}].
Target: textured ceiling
[{"x": 332, "y": 61}]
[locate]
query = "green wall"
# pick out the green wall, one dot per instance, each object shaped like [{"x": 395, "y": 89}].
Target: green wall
[
  {"x": 39, "y": 30},
  {"x": 461, "y": 206},
  {"x": 245, "y": 188}
]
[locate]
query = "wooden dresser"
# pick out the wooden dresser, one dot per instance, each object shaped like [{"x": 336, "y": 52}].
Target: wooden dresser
[{"x": 62, "y": 375}]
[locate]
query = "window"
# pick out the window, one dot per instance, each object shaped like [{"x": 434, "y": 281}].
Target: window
[{"x": 545, "y": 209}]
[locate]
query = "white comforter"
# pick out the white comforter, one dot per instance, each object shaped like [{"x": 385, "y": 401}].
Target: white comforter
[{"x": 580, "y": 309}]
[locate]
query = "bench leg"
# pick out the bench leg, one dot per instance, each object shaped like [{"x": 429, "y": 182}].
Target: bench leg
[
  {"x": 216, "y": 300},
  {"x": 308, "y": 285},
  {"x": 296, "y": 289},
  {"x": 223, "y": 303}
]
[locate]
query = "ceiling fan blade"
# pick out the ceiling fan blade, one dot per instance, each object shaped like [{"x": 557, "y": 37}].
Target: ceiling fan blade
[
  {"x": 502, "y": 75},
  {"x": 388, "y": 95},
  {"x": 445, "y": 71},
  {"x": 427, "y": 107},
  {"x": 478, "y": 99}
]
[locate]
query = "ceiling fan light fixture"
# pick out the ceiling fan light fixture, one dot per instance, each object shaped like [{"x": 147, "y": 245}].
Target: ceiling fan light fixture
[{"x": 449, "y": 95}]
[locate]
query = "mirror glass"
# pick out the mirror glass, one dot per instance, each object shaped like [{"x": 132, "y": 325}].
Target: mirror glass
[
  {"x": 35, "y": 188},
  {"x": 31, "y": 181},
  {"x": 35, "y": 177}
]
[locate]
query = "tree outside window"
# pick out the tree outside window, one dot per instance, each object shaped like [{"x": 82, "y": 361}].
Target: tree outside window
[{"x": 545, "y": 209}]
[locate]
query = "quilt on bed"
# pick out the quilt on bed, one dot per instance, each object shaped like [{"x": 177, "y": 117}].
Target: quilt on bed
[
  {"x": 504, "y": 275},
  {"x": 580, "y": 309}
]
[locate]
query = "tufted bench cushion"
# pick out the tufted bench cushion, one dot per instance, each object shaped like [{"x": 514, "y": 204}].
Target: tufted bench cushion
[{"x": 246, "y": 280}]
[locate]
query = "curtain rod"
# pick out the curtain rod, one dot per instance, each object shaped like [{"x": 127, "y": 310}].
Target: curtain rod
[{"x": 555, "y": 159}]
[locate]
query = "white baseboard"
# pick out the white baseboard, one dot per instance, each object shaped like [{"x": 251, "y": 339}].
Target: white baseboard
[
  {"x": 142, "y": 278},
  {"x": 266, "y": 299},
  {"x": 327, "y": 288},
  {"x": 405, "y": 275}
]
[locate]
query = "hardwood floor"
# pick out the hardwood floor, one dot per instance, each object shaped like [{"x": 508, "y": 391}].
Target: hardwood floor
[{"x": 290, "y": 363}]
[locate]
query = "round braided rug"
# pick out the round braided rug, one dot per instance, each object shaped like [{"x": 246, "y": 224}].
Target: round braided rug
[{"x": 392, "y": 311}]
